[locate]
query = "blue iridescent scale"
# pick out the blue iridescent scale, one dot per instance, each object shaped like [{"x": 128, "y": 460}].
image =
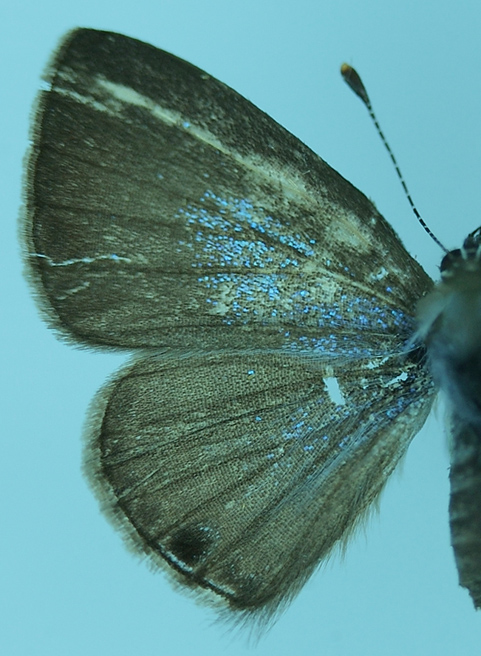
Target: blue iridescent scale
[{"x": 236, "y": 247}]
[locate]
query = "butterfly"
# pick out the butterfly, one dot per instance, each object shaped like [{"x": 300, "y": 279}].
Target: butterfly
[{"x": 279, "y": 371}]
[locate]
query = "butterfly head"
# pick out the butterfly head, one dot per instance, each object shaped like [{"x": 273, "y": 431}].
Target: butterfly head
[
  {"x": 464, "y": 260},
  {"x": 455, "y": 302}
]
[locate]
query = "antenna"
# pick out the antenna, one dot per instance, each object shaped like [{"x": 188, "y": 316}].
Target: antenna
[{"x": 354, "y": 81}]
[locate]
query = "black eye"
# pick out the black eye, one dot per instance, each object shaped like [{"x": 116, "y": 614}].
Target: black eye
[{"x": 449, "y": 259}]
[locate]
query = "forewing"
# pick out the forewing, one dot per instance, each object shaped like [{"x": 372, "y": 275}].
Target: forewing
[
  {"x": 163, "y": 207},
  {"x": 242, "y": 471}
]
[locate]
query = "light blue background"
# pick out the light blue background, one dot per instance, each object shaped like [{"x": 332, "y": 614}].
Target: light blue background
[{"x": 67, "y": 584}]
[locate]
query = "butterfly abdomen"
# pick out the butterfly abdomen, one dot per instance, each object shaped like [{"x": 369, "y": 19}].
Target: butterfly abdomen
[{"x": 465, "y": 508}]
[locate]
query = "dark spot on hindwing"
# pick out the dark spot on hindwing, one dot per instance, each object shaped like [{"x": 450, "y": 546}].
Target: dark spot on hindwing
[{"x": 191, "y": 544}]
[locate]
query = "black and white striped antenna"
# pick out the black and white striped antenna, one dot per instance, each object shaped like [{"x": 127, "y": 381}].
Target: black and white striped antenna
[{"x": 353, "y": 79}]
